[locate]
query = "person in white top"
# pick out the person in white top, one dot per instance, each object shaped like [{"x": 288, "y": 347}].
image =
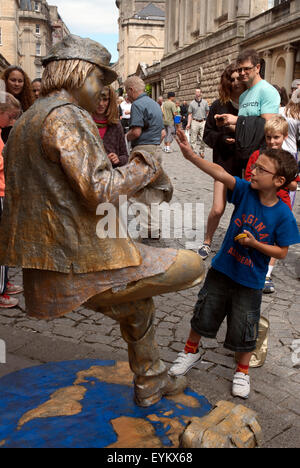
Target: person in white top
[
  {"x": 126, "y": 111},
  {"x": 292, "y": 114}
]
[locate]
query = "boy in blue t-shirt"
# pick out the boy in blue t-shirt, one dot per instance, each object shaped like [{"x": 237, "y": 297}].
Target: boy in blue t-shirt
[{"x": 262, "y": 226}]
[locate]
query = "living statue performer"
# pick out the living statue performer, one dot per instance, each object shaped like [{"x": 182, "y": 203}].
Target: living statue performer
[{"x": 57, "y": 173}]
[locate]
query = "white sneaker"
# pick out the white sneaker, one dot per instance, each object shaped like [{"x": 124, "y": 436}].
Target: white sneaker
[
  {"x": 184, "y": 362},
  {"x": 241, "y": 385}
]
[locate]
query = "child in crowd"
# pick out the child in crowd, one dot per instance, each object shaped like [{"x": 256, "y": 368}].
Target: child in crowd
[
  {"x": 262, "y": 226},
  {"x": 10, "y": 109},
  {"x": 276, "y": 132}
]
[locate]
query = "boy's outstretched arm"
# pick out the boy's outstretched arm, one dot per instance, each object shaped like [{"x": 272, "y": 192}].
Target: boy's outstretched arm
[{"x": 212, "y": 169}]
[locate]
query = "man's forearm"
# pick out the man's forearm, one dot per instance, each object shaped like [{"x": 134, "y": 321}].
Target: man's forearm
[{"x": 134, "y": 134}]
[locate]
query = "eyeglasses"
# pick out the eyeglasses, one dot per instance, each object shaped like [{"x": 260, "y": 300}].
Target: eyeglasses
[
  {"x": 245, "y": 69},
  {"x": 261, "y": 170}
]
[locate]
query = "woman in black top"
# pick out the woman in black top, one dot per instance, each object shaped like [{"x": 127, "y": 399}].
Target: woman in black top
[{"x": 222, "y": 140}]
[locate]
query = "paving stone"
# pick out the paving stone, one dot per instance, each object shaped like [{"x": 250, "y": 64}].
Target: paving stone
[
  {"x": 219, "y": 359},
  {"x": 207, "y": 343},
  {"x": 293, "y": 404},
  {"x": 98, "y": 338},
  {"x": 67, "y": 332}
]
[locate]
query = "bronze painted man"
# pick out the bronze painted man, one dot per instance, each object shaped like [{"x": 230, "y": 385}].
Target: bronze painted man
[{"x": 57, "y": 173}]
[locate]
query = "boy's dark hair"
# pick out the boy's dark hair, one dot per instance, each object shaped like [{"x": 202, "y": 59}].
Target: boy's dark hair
[
  {"x": 171, "y": 94},
  {"x": 248, "y": 54},
  {"x": 286, "y": 164}
]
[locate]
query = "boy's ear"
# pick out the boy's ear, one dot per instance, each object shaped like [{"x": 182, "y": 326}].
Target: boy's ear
[
  {"x": 280, "y": 181},
  {"x": 285, "y": 137}
]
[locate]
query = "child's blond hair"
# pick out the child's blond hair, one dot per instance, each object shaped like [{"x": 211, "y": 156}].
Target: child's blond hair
[
  {"x": 277, "y": 124},
  {"x": 8, "y": 102}
]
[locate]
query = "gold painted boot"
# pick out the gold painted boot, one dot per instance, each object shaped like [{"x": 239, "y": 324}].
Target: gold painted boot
[
  {"x": 259, "y": 355},
  {"x": 165, "y": 385}
]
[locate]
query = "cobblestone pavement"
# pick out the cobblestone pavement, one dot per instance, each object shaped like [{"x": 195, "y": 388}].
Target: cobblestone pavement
[{"x": 275, "y": 391}]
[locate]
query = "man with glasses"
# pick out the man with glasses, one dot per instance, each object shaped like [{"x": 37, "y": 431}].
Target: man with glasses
[
  {"x": 257, "y": 104},
  {"x": 261, "y": 99},
  {"x": 198, "y": 112}
]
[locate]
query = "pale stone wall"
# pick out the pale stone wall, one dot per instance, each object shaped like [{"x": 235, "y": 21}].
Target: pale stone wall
[
  {"x": 28, "y": 35},
  {"x": 140, "y": 40},
  {"x": 204, "y": 36},
  {"x": 275, "y": 34},
  {"x": 9, "y": 30}
]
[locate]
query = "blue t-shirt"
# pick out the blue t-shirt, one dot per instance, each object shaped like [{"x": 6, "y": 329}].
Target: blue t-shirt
[
  {"x": 270, "y": 225},
  {"x": 147, "y": 114},
  {"x": 262, "y": 98}
]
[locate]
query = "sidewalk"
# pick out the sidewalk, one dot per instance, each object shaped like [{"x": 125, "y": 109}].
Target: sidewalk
[{"x": 85, "y": 334}]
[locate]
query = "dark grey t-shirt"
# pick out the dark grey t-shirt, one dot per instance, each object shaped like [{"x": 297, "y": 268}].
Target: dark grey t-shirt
[{"x": 147, "y": 114}]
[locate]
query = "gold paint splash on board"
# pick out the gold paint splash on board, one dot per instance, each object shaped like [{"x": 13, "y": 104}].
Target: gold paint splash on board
[
  {"x": 119, "y": 374},
  {"x": 186, "y": 400},
  {"x": 63, "y": 402},
  {"x": 176, "y": 428},
  {"x": 134, "y": 433}
]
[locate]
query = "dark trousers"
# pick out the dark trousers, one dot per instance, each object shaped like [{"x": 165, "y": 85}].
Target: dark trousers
[{"x": 3, "y": 269}]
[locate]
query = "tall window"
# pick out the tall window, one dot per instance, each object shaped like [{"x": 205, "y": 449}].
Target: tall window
[
  {"x": 38, "y": 49},
  {"x": 36, "y": 6},
  {"x": 39, "y": 71},
  {"x": 37, "y": 29}
]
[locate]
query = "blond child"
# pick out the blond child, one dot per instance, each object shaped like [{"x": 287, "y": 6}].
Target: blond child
[
  {"x": 10, "y": 109},
  {"x": 276, "y": 132}
]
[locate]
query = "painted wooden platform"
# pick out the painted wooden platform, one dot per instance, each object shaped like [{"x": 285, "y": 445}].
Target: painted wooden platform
[{"x": 88, "y": 403}]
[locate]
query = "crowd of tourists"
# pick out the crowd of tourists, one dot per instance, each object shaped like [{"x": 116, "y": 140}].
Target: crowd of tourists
[{"x": 253, "y": 130}]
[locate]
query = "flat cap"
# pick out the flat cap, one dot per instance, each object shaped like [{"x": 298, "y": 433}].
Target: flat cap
[{"x": 77, "y": 48}]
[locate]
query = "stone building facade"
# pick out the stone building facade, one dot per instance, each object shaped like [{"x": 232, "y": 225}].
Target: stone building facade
[
  {"x": 9, "y": 28},
  {"x": 29, "y": 28},
  {"x": 141, "y": 35},
  {"x": 39, "y": 27},
  {"x": 204, "y": 36}
]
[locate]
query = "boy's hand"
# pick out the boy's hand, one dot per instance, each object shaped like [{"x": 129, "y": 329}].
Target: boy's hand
[
  {"x": 184, "y": 145},
  {"x": 248, "y": 241}
]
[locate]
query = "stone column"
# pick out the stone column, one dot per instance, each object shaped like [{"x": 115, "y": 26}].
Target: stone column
[
  {"x": 182, "y": 22},
  {"x": 203, "y": 10},
  {"x": 210, "y": 16},
  {"x": 232, "y": 11},
  {"x": 195, "y": 15},
  {"x": 175, "y": 26},
  {"x": 153, "y": 91},
  {"x": 243, "y": 10},
  {"x": 290, "y": 65},
  {"x": 167, "y": 27},
  {"x": 267, "y": 56},
  {"x": 157, "y": 90},
  {"x": 188, "y": 21}
]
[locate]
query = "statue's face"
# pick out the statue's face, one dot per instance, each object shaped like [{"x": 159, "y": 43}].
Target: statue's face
[{"x": 89, "y": 94}]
